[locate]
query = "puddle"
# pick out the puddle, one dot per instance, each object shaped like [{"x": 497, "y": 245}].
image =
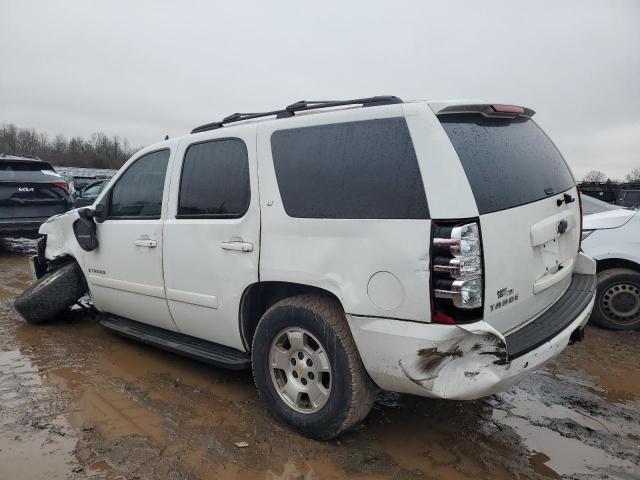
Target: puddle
[{"x": 34, "y": 443}]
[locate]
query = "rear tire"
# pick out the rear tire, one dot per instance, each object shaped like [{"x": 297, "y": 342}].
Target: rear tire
[
  {"x": 51, "y": 294},
  {"x": 327, "y": 368},
  {"x": 617, "y": 305}
]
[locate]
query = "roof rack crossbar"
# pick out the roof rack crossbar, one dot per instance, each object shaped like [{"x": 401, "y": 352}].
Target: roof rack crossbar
[{"x": 300, "y": 106}]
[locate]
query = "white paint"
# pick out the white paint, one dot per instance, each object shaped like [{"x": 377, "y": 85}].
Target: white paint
[
  {"x": 388, "y": 349},
  {"x": 385, "y": 290},
  {"x": 209, "y": 260},
  {"x": 616, "y": 235}
]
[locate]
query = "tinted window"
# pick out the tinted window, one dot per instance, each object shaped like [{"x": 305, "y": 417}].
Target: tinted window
[
  {"x": 633, "y": 196},
  {"x": 24, "y": 166},
  {"x": 215, "y": 180},
  {"x": 362, "y": 169},
  {"x": 508, "y": 162},
  {"x": 138, "y": 192},
  {"x": 92, "y": 190}
]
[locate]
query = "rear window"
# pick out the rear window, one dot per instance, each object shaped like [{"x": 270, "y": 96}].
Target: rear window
[
  {"x": 24, "y": 166},
  {"x": 366, "y": 169},
  {"x": 508, "y": 162}
]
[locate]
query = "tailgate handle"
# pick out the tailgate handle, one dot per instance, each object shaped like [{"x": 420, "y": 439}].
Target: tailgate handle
[
  {"x": 146, "y": 242},
  {"x": 237, "y": 246},
  {"x": 566, "y": 199}
]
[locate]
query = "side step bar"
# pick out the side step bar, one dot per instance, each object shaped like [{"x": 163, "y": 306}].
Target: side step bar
[{"x": 198, "y": 349}]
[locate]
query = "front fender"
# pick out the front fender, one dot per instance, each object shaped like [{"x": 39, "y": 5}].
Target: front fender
[{"x": 61, "y": 240}]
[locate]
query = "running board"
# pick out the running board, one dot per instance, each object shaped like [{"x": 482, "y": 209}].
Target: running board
[{"x": 196, "y": 348}]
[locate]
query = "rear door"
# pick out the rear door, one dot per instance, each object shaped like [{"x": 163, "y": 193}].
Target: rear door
[
  {"x": 212, "y": 233},
  {"x": 30, "y": 190},
  {"x": 529, "y": 213}
]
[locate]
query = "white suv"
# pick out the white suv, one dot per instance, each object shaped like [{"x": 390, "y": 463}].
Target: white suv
[{"x": 430, "y": 248}]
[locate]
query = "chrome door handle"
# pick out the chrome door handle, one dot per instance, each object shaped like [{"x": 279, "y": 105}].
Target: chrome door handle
[
  {"x": 238, "y": 246},
  {"x": 146, "y": 242}
]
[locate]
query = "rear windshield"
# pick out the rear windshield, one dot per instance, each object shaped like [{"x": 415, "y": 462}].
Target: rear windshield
[
  {"x": 508, "y": 162},
  {"x": 24, "y": 166}
]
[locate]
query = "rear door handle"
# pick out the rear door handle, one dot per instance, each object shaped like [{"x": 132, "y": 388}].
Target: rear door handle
[
  {"x": 238, "y": 246},
  {"x": 146, "y": 242}
]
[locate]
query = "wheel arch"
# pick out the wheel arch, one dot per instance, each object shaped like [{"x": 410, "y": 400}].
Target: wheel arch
[
  {"x": 607, "y": 263},
  {"x": 258, "y": 297}
]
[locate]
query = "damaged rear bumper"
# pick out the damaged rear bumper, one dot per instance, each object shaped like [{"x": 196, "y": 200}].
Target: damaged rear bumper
[{"x": 460, "y": 362}]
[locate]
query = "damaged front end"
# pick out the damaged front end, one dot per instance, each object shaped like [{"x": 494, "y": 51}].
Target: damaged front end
[
  {"x": 467, "y": 366},
  {"x": 56, "y": 244}
]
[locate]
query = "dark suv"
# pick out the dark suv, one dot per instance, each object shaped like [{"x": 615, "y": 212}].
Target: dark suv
[{"x": 30, "y": 192}]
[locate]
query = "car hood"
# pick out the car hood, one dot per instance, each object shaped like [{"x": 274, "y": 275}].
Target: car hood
[{"x": 609, "y": 219}]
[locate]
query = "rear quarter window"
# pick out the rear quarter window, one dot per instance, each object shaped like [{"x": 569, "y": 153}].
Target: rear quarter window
[
  {"x": 355, "y": 170},
  {"x": 508, "y": 162}
]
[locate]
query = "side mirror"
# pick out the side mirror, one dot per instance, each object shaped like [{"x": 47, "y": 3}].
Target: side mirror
[
  {"x": 85, "y": 213},
  {"x": 99, "y": 212},
  {"x": 85, "y": 232}
]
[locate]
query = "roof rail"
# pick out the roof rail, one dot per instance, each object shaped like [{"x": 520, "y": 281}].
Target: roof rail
[{"x": 300, "y": 106}]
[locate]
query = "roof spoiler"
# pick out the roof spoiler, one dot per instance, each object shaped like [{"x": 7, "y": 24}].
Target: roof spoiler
[{"x": 489, "y": 110}]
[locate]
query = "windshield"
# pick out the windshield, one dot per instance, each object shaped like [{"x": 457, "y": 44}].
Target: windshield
[{"x": 593, "y": 205}]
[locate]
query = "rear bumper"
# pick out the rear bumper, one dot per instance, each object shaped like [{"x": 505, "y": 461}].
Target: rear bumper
[
  {"x": 17, "y": 227},
  {"x": 464, "y": 362}
]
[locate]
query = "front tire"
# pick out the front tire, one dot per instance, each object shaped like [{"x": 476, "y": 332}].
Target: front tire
[
  {"x": 51, "y": 294},
  {"x": 307, "y": 368},
  {"x": 617, "y": 305}
]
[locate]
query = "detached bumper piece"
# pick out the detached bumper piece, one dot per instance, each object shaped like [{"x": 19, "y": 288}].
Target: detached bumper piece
[
  {"x": 186, "y": 345},
  {"x": 554, "y": 320}
]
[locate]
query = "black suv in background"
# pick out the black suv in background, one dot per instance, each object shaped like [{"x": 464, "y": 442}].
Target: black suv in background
[
  {"x": 30, "y": 192},
  {"x": 629, "y": 198}
]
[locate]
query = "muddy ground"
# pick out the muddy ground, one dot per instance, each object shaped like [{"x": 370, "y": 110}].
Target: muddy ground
[{"x": 78, "y": 402}]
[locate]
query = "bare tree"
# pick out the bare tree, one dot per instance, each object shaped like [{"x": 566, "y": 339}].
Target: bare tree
[
  {"x": 633, "y": 175},
  {"x": 595, "y": 176},
  {"x": 99, "y": 151}
]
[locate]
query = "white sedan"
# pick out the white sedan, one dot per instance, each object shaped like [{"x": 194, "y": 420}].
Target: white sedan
[{"x": 611, "y": 236}]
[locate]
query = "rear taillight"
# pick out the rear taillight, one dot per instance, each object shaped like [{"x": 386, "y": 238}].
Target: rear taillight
[
  {"x": 456, "y": 271},
  {"x": 62, "y": 185},
  {"x": 582, "y": 235}
]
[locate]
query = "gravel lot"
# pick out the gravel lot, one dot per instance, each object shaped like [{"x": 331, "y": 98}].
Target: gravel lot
[{"x": 78, "y": 402}]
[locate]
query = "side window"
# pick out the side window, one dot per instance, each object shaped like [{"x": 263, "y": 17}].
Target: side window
[
  {"x": 93, "y": 190},
  {"x": 215, "y": 180},
  {"x": 138, "y": 192},
  {"x": 365, "y": 169}
]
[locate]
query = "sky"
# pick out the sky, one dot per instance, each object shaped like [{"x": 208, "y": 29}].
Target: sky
[{"x": 144, "y": 69}]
